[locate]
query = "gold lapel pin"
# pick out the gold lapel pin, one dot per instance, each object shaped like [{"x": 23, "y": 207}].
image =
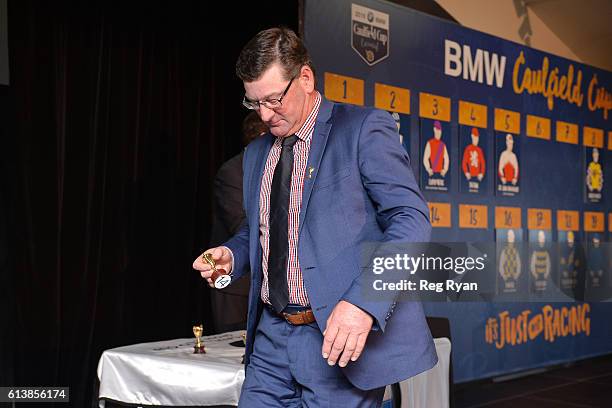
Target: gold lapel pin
[{"x": 310, "y": 171}]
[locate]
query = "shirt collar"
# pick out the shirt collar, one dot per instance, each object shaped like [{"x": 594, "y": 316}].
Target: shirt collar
[{"x": 305, "y": 132}]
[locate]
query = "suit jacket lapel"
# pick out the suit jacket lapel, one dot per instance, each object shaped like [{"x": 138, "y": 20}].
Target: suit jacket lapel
[{"x": 317, "y": 147}]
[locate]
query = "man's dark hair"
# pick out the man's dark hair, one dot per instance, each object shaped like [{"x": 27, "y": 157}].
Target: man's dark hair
[
  {"x": 270, "y": 46},
  {"x": 252, "y": 127}
]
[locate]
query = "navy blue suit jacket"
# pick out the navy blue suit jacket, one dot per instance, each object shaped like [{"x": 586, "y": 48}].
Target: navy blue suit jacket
[{"x": 362, "y": 190}]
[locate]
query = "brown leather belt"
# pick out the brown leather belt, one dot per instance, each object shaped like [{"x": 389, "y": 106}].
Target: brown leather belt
[
  {"x": 295, "y": 316},
  {"x": 299, "y": 318}
]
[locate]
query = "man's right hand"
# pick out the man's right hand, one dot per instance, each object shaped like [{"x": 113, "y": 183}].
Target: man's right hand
[{"x": 223, "y": 260}]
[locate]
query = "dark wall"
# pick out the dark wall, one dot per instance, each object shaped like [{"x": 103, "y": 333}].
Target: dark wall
[
  {"x": 117, "y": 117},
  {"x": 4, "y": 71},
  {"x": 7, "y": 294}
]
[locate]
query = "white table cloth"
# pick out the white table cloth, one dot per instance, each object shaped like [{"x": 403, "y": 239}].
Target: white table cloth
[
  {"x": 168, "y": 373},
  {"x": 430, "y": 388}
]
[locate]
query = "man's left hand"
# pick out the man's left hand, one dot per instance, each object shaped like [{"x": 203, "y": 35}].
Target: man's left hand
[{"x": 347, "y": 330}]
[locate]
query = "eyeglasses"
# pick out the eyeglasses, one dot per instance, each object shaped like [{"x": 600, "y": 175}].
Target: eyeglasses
[{"x": 268, "y": 103}]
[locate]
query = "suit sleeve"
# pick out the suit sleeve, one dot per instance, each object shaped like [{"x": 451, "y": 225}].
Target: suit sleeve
[
  {"x": 401, "y": 209},
  {"x": 239, "y": 243},
  {"x": 239, "y": 247}
]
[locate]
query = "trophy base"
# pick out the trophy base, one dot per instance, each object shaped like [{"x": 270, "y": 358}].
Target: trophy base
[{"x": 199, "y": 349}]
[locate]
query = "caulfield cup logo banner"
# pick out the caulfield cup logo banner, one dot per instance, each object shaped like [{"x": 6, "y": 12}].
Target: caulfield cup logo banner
[{"x": 369, "y": 34}]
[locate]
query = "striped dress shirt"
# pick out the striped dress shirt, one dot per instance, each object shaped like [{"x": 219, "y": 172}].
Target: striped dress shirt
[{"x": 301, "y": 149}]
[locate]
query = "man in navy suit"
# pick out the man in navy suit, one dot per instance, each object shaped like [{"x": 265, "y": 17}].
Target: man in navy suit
[{"x": 325, "y": 180}]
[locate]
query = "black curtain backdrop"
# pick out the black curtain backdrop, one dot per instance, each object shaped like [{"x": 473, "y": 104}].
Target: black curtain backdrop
[
  {"x": 7, "y": 295},
  {"x": 116, "y": 119}
]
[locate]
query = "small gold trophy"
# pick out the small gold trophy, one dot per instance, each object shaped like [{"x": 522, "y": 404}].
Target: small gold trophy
[
  {"x": 199, "y": 346},
  {"x": 220, "y": 277}
]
